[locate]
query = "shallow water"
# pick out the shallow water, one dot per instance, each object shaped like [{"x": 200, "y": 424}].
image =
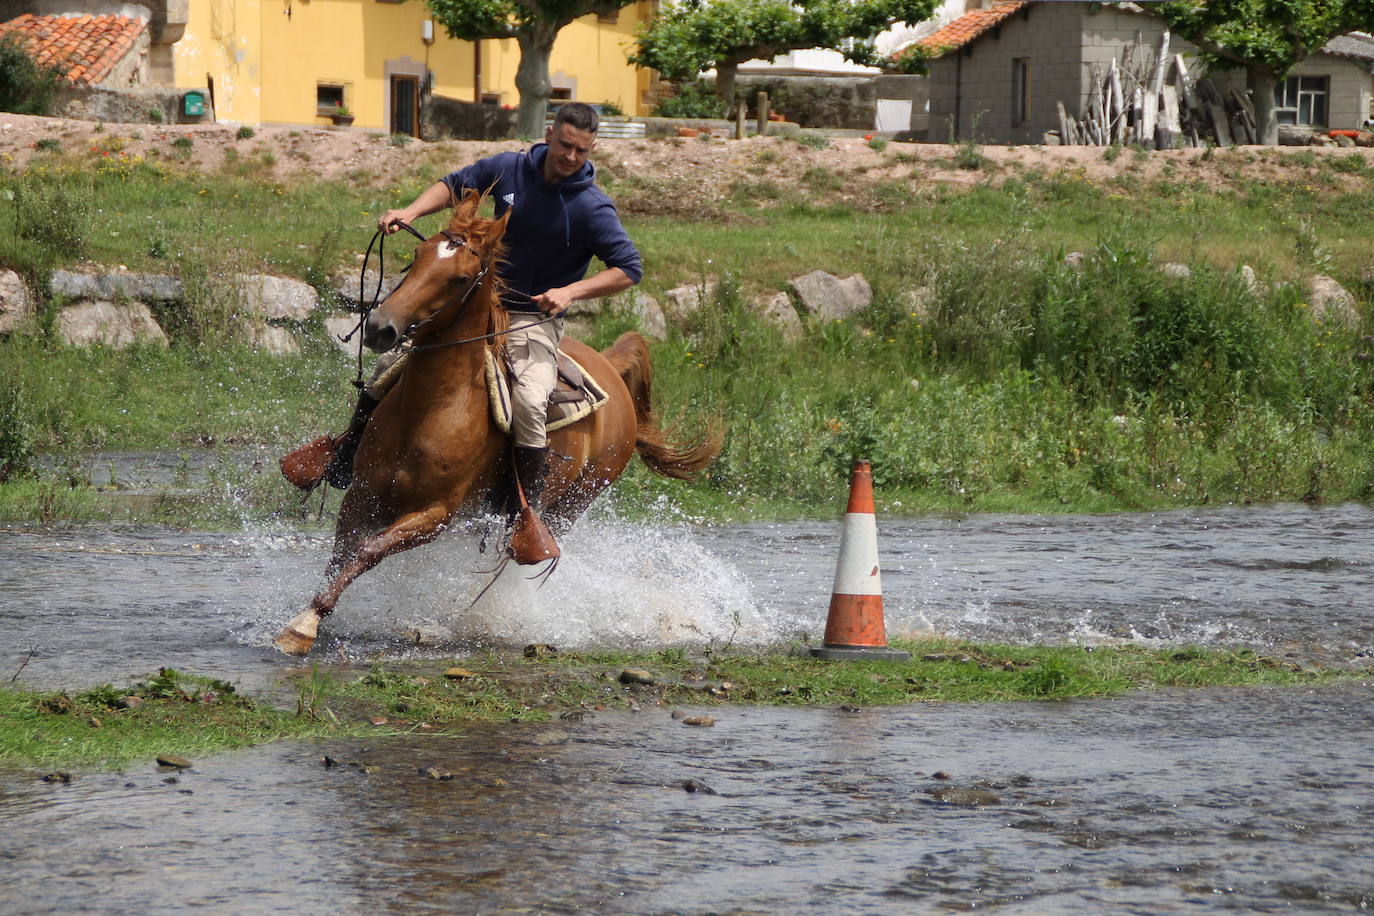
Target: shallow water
[
  {"x": 1221, "y": 801},
  {"x": 1240, "y": 800}
]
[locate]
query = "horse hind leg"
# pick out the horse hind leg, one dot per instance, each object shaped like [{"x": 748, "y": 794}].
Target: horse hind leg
[{"x": 298, "y": 637}]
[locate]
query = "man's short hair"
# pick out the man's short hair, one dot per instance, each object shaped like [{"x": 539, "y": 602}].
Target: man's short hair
[{"x": 579, "y": 115}]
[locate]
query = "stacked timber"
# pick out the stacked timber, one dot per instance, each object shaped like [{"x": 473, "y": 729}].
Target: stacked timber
[{"x": 1128, "y": 107}]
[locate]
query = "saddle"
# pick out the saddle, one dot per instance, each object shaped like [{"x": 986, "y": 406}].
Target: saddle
[{"x": 575, "y": 396}]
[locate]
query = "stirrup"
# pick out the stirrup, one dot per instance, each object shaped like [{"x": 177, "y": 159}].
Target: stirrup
[{"x": 305, "y": 467}]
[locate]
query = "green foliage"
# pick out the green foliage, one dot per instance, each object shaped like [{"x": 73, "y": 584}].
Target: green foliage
[
  {"x": 245, "y": 133},
  {"x": 16, "y": 448},
  {"x": 1267, "y": 34},
  {"x": 53, "y": 211},
  {"x": 814, "y": 141},
  {"x": 684, "y": 39},
  {"x": 25, "y": 87},
  {"x": 156, "y": 115},
  {"x": 695, "y": 99}
]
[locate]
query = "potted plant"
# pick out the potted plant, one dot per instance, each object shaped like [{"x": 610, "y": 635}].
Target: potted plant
[{"x": 341, "y": 116}]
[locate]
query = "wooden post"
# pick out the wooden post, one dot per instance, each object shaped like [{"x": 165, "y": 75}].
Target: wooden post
[
  {"x": 739, "y": 121},
  {"x": 763, "y": 114},
  {"x": 1065, "y": 129},
  {"x": 1116, "y": 113}
]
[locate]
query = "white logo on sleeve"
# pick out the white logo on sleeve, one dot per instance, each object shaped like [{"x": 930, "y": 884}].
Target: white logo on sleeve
[{"x": 509, "y": 199}]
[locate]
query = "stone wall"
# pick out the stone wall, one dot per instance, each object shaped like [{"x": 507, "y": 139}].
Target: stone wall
[
  {"x": 132, "y": 105},
  {"x": 443, "y": 118}
]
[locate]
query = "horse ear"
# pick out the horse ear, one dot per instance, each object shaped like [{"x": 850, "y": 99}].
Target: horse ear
[{"x": 465, "y": 209}]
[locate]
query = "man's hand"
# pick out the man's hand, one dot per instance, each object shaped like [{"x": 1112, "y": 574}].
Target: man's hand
[
  {"x": 389, "y": 219},
  {"x": 554, "y": 302}
]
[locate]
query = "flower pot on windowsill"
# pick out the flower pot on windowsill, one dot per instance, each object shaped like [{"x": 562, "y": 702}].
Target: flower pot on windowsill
[{"x": 341, "y": 120}]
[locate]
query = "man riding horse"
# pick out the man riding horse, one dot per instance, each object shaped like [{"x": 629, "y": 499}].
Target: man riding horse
[{"x": 559, "y": 219}]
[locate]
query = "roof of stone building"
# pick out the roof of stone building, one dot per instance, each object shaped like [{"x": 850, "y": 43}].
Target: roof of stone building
[
  {"x": 966, "y": 28},
  {"x": 86, "y": 48},
  {"x": 1357, "y": 45}
]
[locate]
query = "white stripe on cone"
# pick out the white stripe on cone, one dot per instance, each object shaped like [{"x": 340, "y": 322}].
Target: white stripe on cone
[{"x": 856, "y": 573}]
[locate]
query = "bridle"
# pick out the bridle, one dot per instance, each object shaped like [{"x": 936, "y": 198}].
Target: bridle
[{"x": 455, "y": 240}]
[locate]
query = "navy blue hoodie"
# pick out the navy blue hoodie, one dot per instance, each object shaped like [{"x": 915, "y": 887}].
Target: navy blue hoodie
[{"x": 554, "y": 228}]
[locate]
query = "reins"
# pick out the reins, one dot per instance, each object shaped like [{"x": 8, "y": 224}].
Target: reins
[{"x": 379, "y": 240}]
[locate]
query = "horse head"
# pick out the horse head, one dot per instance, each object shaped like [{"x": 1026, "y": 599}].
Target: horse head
[{"x": 448, "y": 273}]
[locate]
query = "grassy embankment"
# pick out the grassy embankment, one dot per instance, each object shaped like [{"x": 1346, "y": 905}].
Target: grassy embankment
[
  {"x": 192, "y": 717},
  {"x": 1010, "y": 382}
]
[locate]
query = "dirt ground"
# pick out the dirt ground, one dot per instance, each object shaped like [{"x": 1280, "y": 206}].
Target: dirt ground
[{"x": 699, "y": 170}]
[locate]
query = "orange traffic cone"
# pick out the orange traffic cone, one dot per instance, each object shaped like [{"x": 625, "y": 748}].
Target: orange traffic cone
[{"x": 854, "y": 630}]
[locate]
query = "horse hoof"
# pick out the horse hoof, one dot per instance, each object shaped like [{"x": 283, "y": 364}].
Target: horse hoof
[{"x": 298, "y": 637}]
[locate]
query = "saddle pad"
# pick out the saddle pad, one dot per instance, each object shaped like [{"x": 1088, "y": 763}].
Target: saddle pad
[{"x": 567, "y": 405}]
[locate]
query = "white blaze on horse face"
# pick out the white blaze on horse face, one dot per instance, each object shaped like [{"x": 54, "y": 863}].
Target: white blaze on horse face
[{"x": 447, "y": 250}]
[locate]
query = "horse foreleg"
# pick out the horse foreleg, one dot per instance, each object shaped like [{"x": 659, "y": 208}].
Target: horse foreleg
[{"x": 410, "y": 531}]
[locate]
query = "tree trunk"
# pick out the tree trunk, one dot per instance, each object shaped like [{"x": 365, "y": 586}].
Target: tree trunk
[
  {"x": 725, "y": 82},
  {"x": 532, "y": 79},
  {"x": 1262, "y": 83}
]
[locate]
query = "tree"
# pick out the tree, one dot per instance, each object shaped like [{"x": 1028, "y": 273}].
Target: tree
[
  {"x": 534, "y": 24},
  {"x": 1267, "y": 38},
  {"x": 25, "y": 86},
  {"x": 694, "y": 35}
]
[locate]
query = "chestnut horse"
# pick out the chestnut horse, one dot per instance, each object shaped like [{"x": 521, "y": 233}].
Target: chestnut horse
[{"x": 432, "y": 450}]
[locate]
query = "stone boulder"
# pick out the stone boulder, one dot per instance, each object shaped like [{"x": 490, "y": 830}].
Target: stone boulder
[
  {"x": 117, "y": 285},
  {"x": 652, "y": 322},
  {"x": 278, "y": 297},
  {"x": 826, "y": 297},
  {"x": 345, "y": 286},
  {"x": 16, "y": 302},
  {"x": 778, "y": 311},
  {"x": 112, "y": 324},
  {"x": 1330, "y": 302},
  {"x": 1175, "y": 271},
  {"x": 1248, "y": 277},
  {"x": 679, "y": 303},
  {"x": 339, "y": 325},
  {"x": 270, "y": 339}
]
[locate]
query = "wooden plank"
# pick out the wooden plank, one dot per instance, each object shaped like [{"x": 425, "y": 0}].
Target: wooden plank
[
  {"x": 1185, "y": 83},
  {"x": 1168, "y": 114},
  {"x": 1221, "y": 124},
  {"x": 1116, "y": 113},
  {"x": 1065, "y": 129}
]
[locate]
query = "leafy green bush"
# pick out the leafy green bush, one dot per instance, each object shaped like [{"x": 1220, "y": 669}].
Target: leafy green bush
[
  {"x": 53, "y": 211},
  {"x": 25, "y": 87},
  {"x": 16, "y": 450},
  {"x": 692, "y": 100}
]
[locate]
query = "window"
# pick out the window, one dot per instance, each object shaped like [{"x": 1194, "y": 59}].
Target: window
[
  {"x": 328, "y": 96},
  {"x": 561, "y": 95},
  {"x": 1020, "y": 91},
  {"x": 1301, "y": 100},
  {"x": 610, "y": 17},
  {"x": 491, "y": 98}
]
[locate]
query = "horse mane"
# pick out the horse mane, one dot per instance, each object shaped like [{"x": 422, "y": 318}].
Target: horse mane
[{"x": 467, "y": 223}]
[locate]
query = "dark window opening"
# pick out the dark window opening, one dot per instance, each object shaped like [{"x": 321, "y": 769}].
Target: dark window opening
[
  {"x": 1301, "y": 101},
  {"x": 328, "y": 98},
  {"x": 1020, "y": 91}
]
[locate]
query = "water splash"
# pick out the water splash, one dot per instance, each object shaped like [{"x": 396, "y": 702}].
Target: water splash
[{"x": 618, "y": 584}]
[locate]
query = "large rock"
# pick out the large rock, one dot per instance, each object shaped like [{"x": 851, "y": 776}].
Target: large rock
[
  {"x": 679, "y": 303},
  {"x": 345, "y": 286},
  {"x": 112, "y": 324},
  {"x": 119, "y": 285},
  {"x": 271, "y": 339},
  {"x": 778, "y": 311},
  {"x": 652, "y": 322},
  {"x": 278, "y": 297},
  {"x": 16, "y": 302},
  {"x": 826, "y": 297},
  {"x": 340, "y": 325},
  {"x": 1330, "y": 302}
]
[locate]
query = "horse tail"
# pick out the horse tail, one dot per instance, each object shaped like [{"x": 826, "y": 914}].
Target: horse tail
[{"x": 629, "y": 355}]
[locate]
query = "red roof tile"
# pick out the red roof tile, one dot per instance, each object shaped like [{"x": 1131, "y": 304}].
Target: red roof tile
[
  {"x": 967, "y": 27},
  {"x": 85, "y": 47}
]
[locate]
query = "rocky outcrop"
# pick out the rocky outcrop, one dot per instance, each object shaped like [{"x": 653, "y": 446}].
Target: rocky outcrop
[
  {"x": 278, "y": 297},
  {"x": 826, "y": 297},
  {"x": 16, "y": 302},
  {"x": 68, "y": 284},
  {"x": 777, "y": 310},
  {"x": 680, "y": 302},
  {"x": 1330, "y": 302},
  {"x": 110, "y": 324}
]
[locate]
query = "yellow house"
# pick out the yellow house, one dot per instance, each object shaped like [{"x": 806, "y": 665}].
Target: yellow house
[{"x": 296, "y": 62}]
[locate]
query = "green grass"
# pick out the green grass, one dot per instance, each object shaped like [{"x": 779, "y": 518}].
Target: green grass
[
  {"x": 193, "y": 717},
  {"x": 1008, "y": 382}
]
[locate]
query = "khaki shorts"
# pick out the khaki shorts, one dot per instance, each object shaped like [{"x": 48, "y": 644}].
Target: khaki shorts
[{"x": 533, "y": 352}]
